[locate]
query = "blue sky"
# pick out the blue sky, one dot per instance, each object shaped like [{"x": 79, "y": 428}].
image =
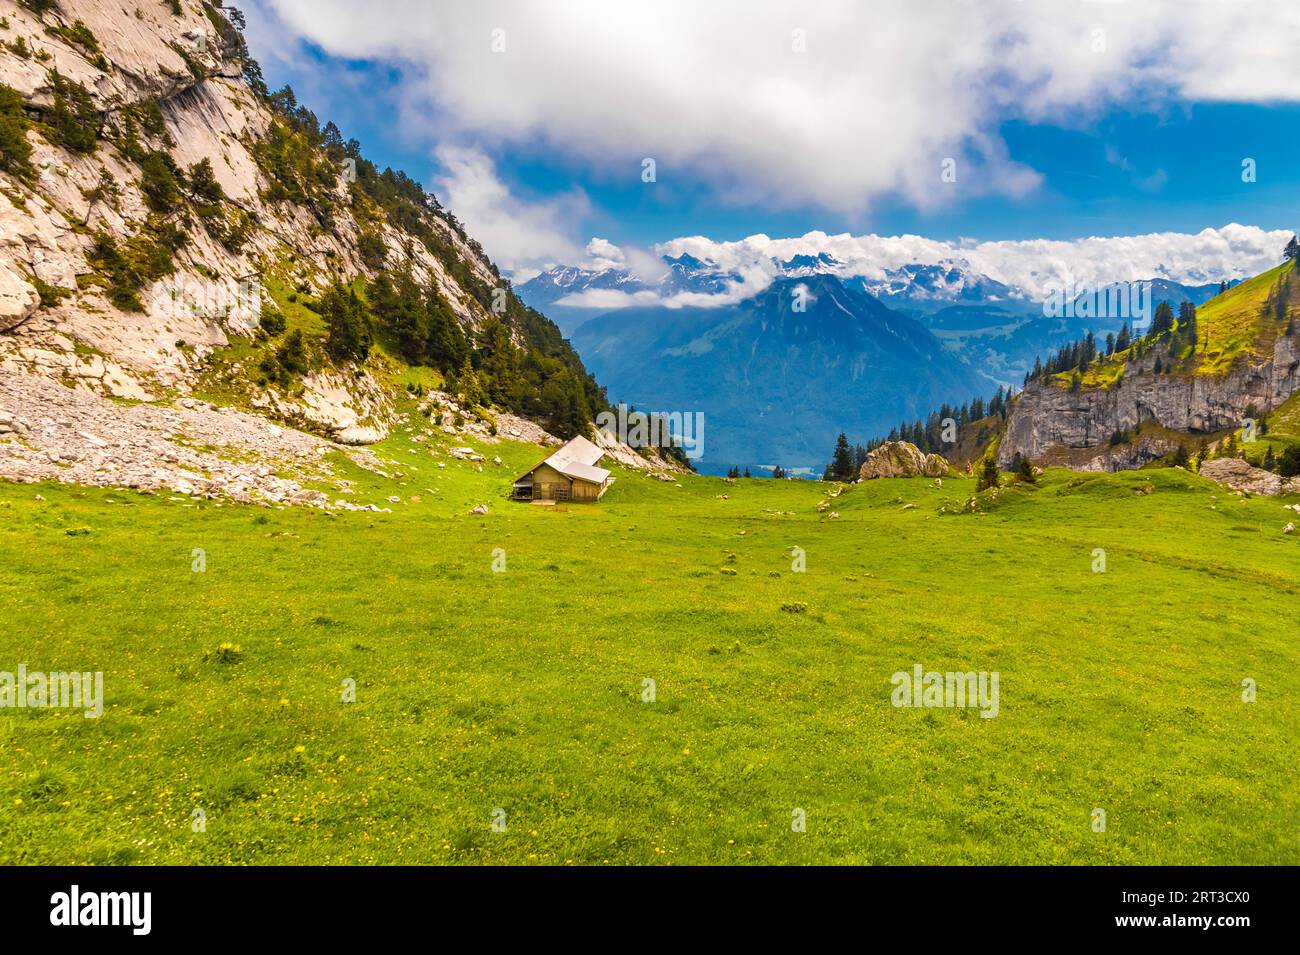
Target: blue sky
[{"x": 1092, "y": 162}]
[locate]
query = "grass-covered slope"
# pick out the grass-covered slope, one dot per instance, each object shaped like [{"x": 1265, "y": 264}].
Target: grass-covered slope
[
  {"x": 522, "y": 690},
  {"x": 1238, "y": 325},
  {"x": 1244, "y": 321}
]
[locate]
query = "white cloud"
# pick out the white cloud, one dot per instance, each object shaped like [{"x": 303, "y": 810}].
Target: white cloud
[
  {"x": 648, "y": 266},
  {"x": 884, "y": 92},
  {"x": 608, "y": 299},
  {"x": 604, "y": 254},
  {"x": 1036, "y": 266},
  {"x": 521, "y": 236},
  {"x": 601, "y": 254}
]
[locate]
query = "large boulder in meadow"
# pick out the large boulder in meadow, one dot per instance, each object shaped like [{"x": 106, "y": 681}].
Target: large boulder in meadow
[
  {"x": 1241, "y": 476},
  {"x": 902, "y": 459}
]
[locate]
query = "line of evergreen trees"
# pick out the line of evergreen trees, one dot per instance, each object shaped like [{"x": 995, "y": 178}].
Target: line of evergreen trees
[
  {"x": 936, "y": 434},
  {"x": 1077, "y": 356},
  {"x": 928, "y": 435},
  {"x": 490, "y": 369}
]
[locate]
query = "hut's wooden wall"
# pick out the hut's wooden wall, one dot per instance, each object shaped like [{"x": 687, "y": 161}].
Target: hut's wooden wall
[
  {"x": 547, "y": 482},
  {"x": 585, "y": 491},
  {"x": 550, "y": 485}
]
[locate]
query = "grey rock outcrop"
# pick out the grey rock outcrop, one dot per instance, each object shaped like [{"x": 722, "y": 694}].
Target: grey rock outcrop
[
  {"x": 1124, "y": 457},
  {"x": 902, "y": 459},
  {"x": 18, "y": 299},
  {"x": 1048, "y": 416},
  {"x": 154, "y": 56},
  {"x": 1241, "y": 476}
]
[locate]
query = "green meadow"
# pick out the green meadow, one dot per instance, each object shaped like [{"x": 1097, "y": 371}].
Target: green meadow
[{"x": 525, "y": 690}]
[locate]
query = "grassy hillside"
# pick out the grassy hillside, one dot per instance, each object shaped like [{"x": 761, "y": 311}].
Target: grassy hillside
[
  {"x": 1238, "y": 325},
  {"x": 1242, "y": 322},
  {"x": 1284, "y": 420},
  {"x": 522, "y": 690}
]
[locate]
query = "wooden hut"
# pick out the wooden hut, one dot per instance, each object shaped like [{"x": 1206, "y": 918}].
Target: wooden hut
[{"x": 570, "y": 474}]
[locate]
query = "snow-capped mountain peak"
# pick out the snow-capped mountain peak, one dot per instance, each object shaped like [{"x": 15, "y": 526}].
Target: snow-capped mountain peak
[{"x": 915, "y": 286}]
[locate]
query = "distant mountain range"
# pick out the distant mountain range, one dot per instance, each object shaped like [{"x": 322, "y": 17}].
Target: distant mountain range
[
  {"x": 1003, "y": 337},
  {"x": 777, "y": 385},
  {"x": 684, "y": 273},
  {"x": 777, "y": 375}
]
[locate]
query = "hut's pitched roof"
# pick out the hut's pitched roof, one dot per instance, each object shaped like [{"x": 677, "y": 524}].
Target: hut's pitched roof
[{"x": 584, "y": 472}]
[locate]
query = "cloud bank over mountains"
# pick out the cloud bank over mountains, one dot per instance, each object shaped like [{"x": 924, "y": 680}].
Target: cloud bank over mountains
[
  {"x": 793, "y": 104},
  {"x": 783, "y": 104},
  {"x": 1036, "y": 266}
]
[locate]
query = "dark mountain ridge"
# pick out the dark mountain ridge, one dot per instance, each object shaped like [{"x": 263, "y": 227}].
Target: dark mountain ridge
[{"x": 778, "y": 375}]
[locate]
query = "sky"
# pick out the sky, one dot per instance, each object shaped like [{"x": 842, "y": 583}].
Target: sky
[{"x": 972, "y": 123}]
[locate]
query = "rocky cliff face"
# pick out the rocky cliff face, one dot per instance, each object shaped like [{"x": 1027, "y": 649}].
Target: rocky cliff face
[
  {"x": 127, "y": 272},
  {"x": 1049, "y": 418},
  {"x": 187, "y": 66}
]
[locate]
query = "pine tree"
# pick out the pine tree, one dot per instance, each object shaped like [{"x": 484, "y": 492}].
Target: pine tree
[
  {"x": 332, "y": 139},
  {"x": 1270, "y": 459},
  {"x": 1288, "y": 464},
  {"x": 292, "y": 355},
  {"x": 349, "y": 326},
  {"x": 1187, "y": 323},
  {"x": 73, "y": 117},
  {"x": 1163, "y": 321},
  {"x": 15, "y": 150},
  {"x": 1125, "y": 338},
  {"x": 988, "y": 475},
  {"x": 399, "y": 308},
  {"x": 159, "y": 182},
  {"x": 563, "y": 400},
  {"x": 1292, "y": 249},
  {"x": 1025, "y": 472},
  {"x": 747, "y": 474},
  {"x": 841, "y": 466},
  {"x": 447, "y": 346},
  {"x": 204, "y": 187}
]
